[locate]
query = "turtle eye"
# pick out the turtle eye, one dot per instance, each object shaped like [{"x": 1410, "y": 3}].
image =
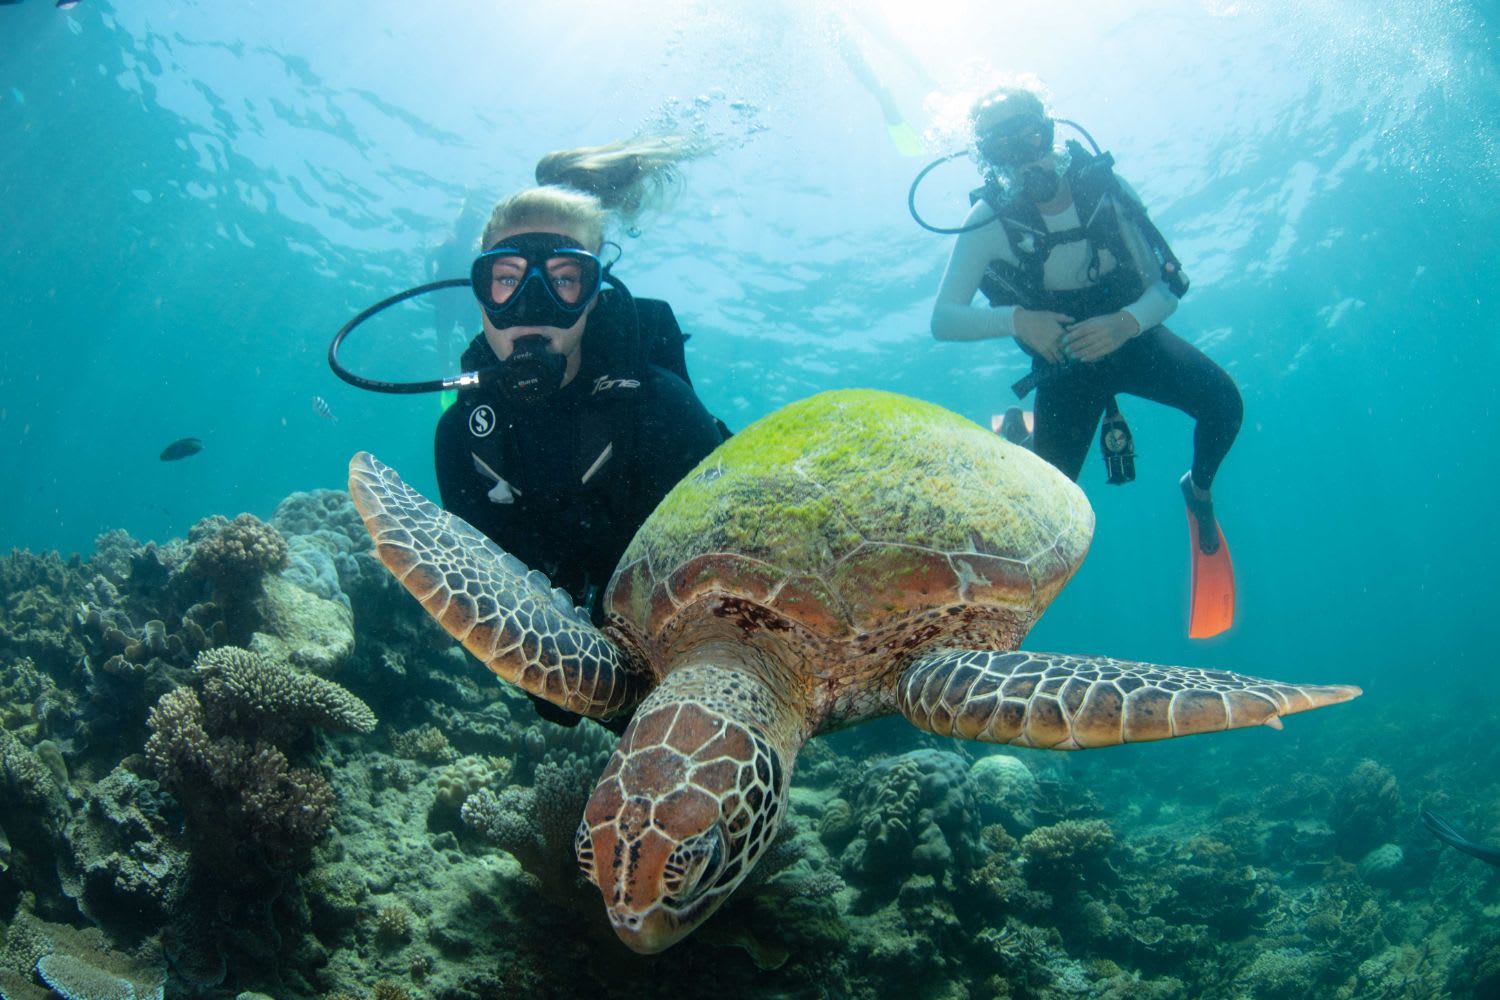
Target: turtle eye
[
  {"x": 704, "y": 862},
  {"x": 583, "y": 847}
]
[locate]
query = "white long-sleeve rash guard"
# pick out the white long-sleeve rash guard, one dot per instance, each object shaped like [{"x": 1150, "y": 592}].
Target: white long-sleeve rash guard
[{"x": 956, "y": 317}]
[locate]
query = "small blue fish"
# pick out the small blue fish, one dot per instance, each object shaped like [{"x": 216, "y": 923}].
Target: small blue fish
[
  {"x": 181, "y": 448},
  {"x": 66, "y": 4},
  {"x": 322, "y": 409}
]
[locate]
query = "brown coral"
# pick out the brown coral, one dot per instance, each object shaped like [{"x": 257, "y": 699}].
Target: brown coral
[
  {"x": 236, "y": 554},
  {"x": 218, "y": 753}
]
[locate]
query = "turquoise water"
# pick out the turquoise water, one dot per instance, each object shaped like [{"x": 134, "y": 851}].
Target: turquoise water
[{"x": 194, "y": 196}]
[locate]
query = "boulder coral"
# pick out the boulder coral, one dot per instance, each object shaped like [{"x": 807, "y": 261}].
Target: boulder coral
[{"x": 917, "y": 816}]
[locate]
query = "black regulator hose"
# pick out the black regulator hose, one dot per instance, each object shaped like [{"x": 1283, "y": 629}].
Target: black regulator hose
[
  {"x": 463, "y": 380},
  {"x": 911, "y": 199},
  {"x": 911, "y": 194}
]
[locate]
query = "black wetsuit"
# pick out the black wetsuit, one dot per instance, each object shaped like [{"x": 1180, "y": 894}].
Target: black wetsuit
[
  {"x": 559, "y": 517},
  {"x": 1156, "y": 365}
]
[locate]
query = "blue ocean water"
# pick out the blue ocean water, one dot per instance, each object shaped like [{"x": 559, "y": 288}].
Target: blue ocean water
[{"x": 194, "y": 196}]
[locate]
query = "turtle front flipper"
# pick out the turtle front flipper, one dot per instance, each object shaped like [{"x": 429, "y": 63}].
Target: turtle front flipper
[
  {"x": 1061, "y": 702},
  {"x": 506, "y": 615}
]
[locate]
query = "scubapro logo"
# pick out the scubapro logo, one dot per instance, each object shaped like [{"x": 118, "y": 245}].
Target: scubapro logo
[{"x": 481, "y": 421}]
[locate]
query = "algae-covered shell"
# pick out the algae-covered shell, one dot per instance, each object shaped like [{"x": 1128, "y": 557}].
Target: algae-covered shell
[{"x": 849, "y": 512}]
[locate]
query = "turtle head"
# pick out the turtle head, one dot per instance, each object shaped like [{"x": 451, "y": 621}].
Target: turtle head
[{"x": 689, "y": 802}]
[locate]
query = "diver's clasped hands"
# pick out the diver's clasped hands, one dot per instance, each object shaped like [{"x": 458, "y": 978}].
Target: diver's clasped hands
[
  {"x": 1059, "y": 340},
  {"x": 1099, "y": 336},
  {"x": 1043, "y": 333}
]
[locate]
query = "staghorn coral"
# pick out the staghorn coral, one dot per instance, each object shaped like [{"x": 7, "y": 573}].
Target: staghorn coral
[
  {"x": 221, "y": 753},
  {"x": 230, "y": 786},
  {"x": 243, "y": 688}
]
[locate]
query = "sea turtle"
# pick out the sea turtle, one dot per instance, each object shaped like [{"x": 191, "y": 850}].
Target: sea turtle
[{"x": 849, "y": 556}]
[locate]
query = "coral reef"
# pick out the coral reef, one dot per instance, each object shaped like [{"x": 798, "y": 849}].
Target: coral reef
[
  {"x": 189, "y": 768},
  {"x": 1364, "y": 810},
  {"x": 917, "y": 816},
  {"x": 235, "y": 556},
  {"x": 218, "y": 753}
]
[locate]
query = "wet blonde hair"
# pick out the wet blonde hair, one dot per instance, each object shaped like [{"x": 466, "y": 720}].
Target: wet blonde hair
[{"x": 581, "y": 188}]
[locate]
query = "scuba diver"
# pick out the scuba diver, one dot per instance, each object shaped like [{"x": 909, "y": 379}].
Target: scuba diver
[
  {"x": 1075, "y": 271},
  {"x": 1451, "y": 837},
  {"x": 575, "y": 414}
]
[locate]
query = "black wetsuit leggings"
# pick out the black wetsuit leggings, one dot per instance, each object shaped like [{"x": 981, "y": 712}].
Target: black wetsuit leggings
[{"x": 1159, "y": 366}]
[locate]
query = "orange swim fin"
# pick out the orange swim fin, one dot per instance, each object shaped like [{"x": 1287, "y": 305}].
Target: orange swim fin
[
  {"x": 1211, "y": 606},
  {"x": 1015, "y": 425}
]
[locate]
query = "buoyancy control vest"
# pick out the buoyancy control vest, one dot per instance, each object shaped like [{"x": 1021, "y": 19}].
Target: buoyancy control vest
[
  {"x": 563, "y": 468},
  {"x": 1102, "y": 206}
]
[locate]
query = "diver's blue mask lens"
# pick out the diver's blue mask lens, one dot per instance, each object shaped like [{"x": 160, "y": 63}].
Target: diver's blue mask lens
[
  {"x": 536, "y": 279},
  {"x": 1017, "y": 141}
]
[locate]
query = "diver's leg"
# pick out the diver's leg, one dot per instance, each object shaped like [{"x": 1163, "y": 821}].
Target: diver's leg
[
  {"x": 1068, "y": 408},
  {"x": 1162, "y": 367}
]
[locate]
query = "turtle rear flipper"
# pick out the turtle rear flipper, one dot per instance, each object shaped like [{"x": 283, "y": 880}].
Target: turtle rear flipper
[
  {"x": 1062, "y": 702},
  {"x": 506, "y": 615}
]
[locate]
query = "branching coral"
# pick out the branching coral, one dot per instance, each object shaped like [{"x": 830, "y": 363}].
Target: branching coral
[
  {"x": 242, "y": 687},
  {"x": 218, "y": 753},
  {"x": 1057, "y": 856}
]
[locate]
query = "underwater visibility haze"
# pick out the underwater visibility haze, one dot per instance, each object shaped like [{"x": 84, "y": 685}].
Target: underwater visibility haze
[{"x": 238, "y": 759}]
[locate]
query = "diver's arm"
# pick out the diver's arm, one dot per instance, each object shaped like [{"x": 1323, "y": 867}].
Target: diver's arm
[
  {"x": 1157, "y": 302},
  {"x": 676, "y": 433},
  {"x": 954, "y": 314},
  {"x": 1153, "y": 307}
]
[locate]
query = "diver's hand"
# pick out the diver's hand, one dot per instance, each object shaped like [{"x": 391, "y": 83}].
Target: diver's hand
[
  {"x": 1099, "y": 336},
  {"x": 1042, "y": 332}
]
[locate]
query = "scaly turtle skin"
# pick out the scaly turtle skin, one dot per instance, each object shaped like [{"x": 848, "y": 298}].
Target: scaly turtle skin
[{"x": 853, "y": 555}]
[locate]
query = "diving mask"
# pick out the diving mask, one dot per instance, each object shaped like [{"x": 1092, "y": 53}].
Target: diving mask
[
  {"x": 1016, "y": 141},
  {"x": 536, "y": 279}
]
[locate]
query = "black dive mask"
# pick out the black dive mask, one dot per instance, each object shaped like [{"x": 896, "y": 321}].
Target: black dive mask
[
  {"x": 536, "y": 279},
  {"x": 532, "y": 373}
]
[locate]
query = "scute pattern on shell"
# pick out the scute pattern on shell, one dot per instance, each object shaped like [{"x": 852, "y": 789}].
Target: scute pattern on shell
[{"x": 851, "y": 510}]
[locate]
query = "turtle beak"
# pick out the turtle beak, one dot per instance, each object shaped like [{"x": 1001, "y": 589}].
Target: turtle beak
[{"x": 647, "y": 933}]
